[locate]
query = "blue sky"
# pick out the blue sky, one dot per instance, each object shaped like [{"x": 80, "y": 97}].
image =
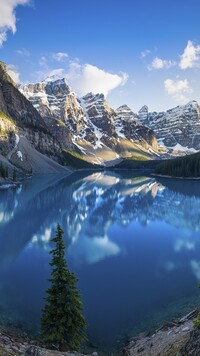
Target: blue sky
[{"x": 138, "y": 52}]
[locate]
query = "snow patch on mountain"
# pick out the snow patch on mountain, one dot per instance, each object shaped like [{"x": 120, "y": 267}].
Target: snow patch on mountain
[
  {"x": 90, "y": 122},
  {"x": 177, "y": 128}
]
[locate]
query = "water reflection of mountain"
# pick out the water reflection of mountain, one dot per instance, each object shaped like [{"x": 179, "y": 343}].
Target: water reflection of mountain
[{"x": 87, "y": 205}]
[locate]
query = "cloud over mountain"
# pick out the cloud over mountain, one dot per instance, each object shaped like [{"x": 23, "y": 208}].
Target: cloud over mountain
[
  {"x": 84, "y": 78},
  {"x": 87, "y": 77},
  {"x": 177, "y": 89}
]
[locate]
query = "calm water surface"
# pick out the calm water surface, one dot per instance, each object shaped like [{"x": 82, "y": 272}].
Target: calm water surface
[{"x": 133, "y": 242}]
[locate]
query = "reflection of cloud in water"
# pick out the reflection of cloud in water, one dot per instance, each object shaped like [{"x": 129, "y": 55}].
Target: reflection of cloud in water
[
  {"x": 170, "y": 266},
  {"x": 195, "y": 265},
  {"x": 93, "y": 250},
  {"x": 45, "y": 237},
  {"x": 181, "y": 244},
  {"x": 5, "y": 217}
]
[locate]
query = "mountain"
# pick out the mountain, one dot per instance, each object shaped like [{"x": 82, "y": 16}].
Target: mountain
[
  {"x": 178, "y": 128},
  {"x": 88, "y": 125},
  {"x": 46, "y": 125},
  {"x": 25, "y": 140}
]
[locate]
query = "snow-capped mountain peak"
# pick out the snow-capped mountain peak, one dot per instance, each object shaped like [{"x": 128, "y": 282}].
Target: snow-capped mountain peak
[
  {"x": 143, "y": 113},
  {"x": 177, "y": 127},
  {"x": 125, "y": 113},
  {"x": 90, "y": 122}
]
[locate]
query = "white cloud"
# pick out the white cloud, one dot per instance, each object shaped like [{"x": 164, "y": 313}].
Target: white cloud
[
  {"x": 159, "y": 63},
  {"x": 190, "y": 57},
  {"x": 23, "y": 52},
  {"x": 145, "y": 53},
  {"x": 56, "y": 74},
  {"x": 84, "y": 78},
  {"x": 60, "y": 56},
  {"x": 8, "y": 17},
  {"x": 176, "y": 86},
  {"x": 88, "y": 78},
  {"x": 3, "y": 37},
  {"x": 177, "y": 89},
  {"x": 49, "y": 75},
  {"x": 13, "y": 72}
]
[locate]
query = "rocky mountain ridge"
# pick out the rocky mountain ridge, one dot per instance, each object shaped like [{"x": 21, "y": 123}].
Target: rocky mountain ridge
[
  {"x": 98, "y": 131},
  {"x": 50, "y": 118},
  {"x": 177, "y": 128},
  {"x": 25, "y": 139},
  {"x": 92, "y": 122}
]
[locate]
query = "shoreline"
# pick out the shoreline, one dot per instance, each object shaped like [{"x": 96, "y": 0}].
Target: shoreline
[
  {"x": 169, "y": 340},
  {"x": 9, "y": 346},
  {"x": 174, "y": 177},
  {"x": 8, "y": 183}
]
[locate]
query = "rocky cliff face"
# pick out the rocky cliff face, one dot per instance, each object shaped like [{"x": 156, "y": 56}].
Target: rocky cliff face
[
  {"x": 24, "y": 134},
  {"x": 15, "y": 106},
  {"x": 178, "y": 128},
  {"x": 128, "y": 126},
  {"x": 90, "y": 123},
  {"x": 52, "y": 118},
  {"x": 7, "y": 134},
  {"x": 49, "y": 117},
  {"x": 55, "y": 100}
]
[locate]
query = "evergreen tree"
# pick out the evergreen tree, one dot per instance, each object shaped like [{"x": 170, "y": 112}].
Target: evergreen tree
[{"x": 62, "y": 321}]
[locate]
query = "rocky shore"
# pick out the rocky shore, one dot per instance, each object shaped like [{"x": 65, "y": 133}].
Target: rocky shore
[
  {"x": 176, "y": 338},
  {"x": 10, "y": 347}
]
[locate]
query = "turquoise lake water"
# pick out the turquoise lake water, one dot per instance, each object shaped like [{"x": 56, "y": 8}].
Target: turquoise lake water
[{"x": 133, "y": 242}]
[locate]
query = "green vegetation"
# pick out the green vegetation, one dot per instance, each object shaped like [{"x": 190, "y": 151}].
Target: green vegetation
[
  {"x": 2, "y": 63},
  {"x": 187, "y": 166},
  {"x": 62, "y": 321},
  {"x": 142, "y": 163},
  {"x": 6, "y": 123},
  {"x": 60, "y": 123},
  {"x": 4, "y": 116},
  {"x": 75, "y": 160}
]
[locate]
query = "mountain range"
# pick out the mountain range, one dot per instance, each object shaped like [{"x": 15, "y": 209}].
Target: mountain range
[
  {"x": 88, "y": 125},
  {"x": 177, "y": 128},
  {"x": 44, "y": 125}
]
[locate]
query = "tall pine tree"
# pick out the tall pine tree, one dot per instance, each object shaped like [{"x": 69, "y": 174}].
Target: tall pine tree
[{"x": 62, "y": 321}]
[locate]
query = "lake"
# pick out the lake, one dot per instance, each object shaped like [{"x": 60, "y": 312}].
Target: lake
[{"x": 133, "y": 242}]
